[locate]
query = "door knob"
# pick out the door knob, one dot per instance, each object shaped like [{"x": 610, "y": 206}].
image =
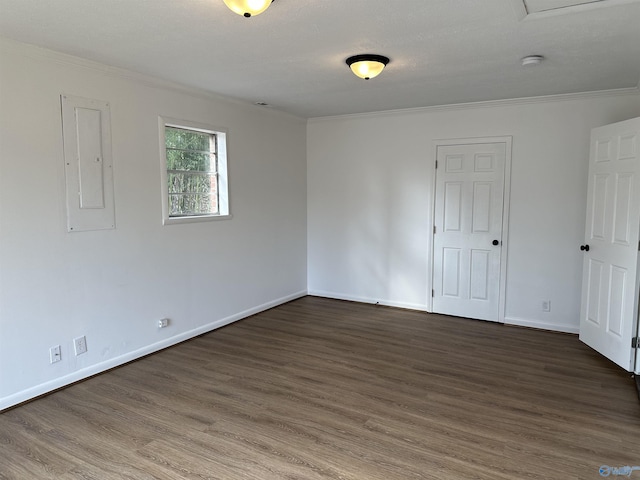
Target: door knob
[
  {"x": 496, "y": 242},
  {"x": 584, "y": 248}
]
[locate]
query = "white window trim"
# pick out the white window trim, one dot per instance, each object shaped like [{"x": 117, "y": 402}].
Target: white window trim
[{"x": 223, "y": 179}]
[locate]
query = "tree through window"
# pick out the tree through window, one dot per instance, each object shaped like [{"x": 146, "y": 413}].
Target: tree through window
[
  {"x": 195, "y": 162},
  {"x": 192, "y": 172}
]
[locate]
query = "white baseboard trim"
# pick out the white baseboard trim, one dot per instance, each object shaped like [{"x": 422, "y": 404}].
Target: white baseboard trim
[
  {"x": 43, "y": 388},
  {"x": 374, "y": 301},
  {"x": 554, "y": 327}
]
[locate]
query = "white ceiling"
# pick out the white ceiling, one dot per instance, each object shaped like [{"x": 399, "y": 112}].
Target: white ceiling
[{"x": 292, "y": 56}]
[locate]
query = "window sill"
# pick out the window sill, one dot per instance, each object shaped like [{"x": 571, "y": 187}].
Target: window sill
[{"x": 195, "y": 219}]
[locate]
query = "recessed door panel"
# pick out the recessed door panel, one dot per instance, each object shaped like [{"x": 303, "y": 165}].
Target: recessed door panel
[
  {"x": 481, "y": 221},
  {"x": 624, "y": 185},
  {"x": 603, "y": 150},
  {"x": 594, "y": 284},
  {"x": 479, "y": 278},
  {"x": 451, "y": 272},
  {"x": 454, "y": 163},
  {"x": 484, "y": 162},
  {"x": 598, "y": 204},
  {"x": 616, "y": 301},
  {"x": 453, "y": 207},
  {"x": 628, "y": 145}
]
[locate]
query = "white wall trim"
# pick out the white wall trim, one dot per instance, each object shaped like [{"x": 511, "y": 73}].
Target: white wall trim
[
  {"x": 422, "y": 308},
  {"x": 373, "y": 301},
  {"x": 562, "y": 97},
  {"x": 43, "y": 388},
  {"x": 40, "y": 53},
  {"x": 37, "y": 52},
  {"x": 554, "y": 327},
  {"x": 431, "y": 222}
]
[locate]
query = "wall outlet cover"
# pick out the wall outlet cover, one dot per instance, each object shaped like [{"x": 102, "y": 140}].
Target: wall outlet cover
[
  {"x": 80, "y": 345},
  {"x": 55, "y": 354}
]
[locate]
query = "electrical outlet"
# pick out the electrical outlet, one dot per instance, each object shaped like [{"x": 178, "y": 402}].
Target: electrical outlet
[
  {"x": 80, "y": 345},
  {"x": 546, "y": 305},
  {"x": 163, "y": 323},
  {"x": 55, "y": 354}
]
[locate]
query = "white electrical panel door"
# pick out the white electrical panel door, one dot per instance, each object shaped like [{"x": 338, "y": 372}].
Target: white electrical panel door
[{"x": 86, "y": 128}]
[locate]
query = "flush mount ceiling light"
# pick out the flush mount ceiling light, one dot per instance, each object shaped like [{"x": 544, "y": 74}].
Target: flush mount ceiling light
[
  {"x": 248, "y": 8},
  {"x": 367, "y": 66},
  {"x": 532, "y": 60}
]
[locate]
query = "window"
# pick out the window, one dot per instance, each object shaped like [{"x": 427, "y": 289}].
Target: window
[{"x": 194, "y": 172}]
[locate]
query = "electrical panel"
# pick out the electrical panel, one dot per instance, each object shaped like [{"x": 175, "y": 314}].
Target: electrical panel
[{"x": 86, "y": 130}]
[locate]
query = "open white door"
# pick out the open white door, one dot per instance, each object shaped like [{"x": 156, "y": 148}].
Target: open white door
[{"x": 610, "y": 283}]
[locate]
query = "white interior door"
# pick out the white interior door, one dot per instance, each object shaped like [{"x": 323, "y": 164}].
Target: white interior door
[
  {"x": 468, "y": 221},
  {"x": 609, "y": 309}
]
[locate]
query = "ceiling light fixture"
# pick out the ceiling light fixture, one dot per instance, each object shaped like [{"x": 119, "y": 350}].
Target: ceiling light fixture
[
  {"x": 367, "y": 65},
  {"x": 248, "y": 8},
  {"x": 532, "y": 60}
]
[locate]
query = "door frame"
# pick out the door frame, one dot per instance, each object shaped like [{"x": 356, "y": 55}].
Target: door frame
[
  {"x": 636, "y": 331},
  {"x": 506, "y": 201}
]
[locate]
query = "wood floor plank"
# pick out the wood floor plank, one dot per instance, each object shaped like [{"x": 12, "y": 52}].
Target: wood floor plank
[{"x": 322, "y": 389}]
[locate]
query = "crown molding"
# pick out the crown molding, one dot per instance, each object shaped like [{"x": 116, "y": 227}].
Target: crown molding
[
  {"x": 562, "y": 97},
  {"x": 40, "y": 53}
]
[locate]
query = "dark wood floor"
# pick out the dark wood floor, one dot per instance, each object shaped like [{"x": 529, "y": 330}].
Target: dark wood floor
[{"x": 324, "y": 389}]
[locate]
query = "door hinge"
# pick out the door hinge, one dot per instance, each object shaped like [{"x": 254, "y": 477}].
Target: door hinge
[
  {"x": 635, "y": 342},
  {"x": 434, "y": 229},
  {"x": 436, "y": 164},
  {"x": 433, "y": 293}
]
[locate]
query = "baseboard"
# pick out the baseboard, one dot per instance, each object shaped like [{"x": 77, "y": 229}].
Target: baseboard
[
  {"x": 508, "y": 320},
  {"x": 373, "y": 301},
  {"x": 554, "y": 327},
  {"x": 50, "y": 386}
]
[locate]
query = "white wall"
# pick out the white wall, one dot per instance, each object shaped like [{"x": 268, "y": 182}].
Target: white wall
[
  {"x": 113, "y": 285},
  {"x": 369, "y": 206},
  {"x": 370, "y": 193}
]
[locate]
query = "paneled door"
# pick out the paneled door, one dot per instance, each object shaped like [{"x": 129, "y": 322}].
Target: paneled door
[
  {"x": 468, "y": 233},
  {"x": 609, "y": 308}
]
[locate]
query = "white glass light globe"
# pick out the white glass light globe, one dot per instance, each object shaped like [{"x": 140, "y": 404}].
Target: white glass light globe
[{"x": 248, "y": 8}]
